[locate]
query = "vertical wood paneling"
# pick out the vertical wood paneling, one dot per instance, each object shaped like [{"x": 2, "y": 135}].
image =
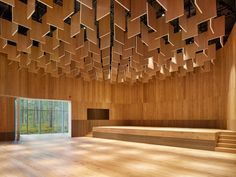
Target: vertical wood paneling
[{"x": 6, "y": 118}]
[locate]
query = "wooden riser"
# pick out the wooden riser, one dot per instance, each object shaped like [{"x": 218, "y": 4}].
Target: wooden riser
[
  {"x": 228, "y": 133},
  {"x": 227, "y": 145},
  {"x": 166, "y": 141},
  {"x": 223, "y": 149},
  {"x": 227, "y": 141},
  {"x": 233, "y": 137}
]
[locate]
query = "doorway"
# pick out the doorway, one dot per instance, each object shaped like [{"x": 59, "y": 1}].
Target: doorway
[{"x": 43, "y": 117}]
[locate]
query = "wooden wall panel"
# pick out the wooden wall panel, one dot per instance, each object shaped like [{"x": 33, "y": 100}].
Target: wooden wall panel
[{"x": 7, "y": 124}]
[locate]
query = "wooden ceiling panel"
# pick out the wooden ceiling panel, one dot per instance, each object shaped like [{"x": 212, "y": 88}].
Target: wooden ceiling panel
[
  {"x": 36, "y": 32},
  {"x": 9, "y": 2},
  {"x": 48, "y": 3},
  {"x": 200, "y": 59},
  {"x": 30, "y": 8},
  {"x": 178, "y": 59},
  {"x": 64, "y": 35},
  {"x": 92, "y": 35},
  {"x": 94, "y": 48},
  {"x": 188, "y": 66},
  {"x": 129, "y": 42},
  {"x": 3, "y": 44},
  {"x": 48, "y": 46},
  {"x": 19, "y": 14},
  {"x": 164, "y": 30},
  {"x": 75, "y": 24},
  {"x": 117, "y": 48},
  {"x": 97, "y": 58},
  {"x": 105, "y": 42},
  {"x": 218, "y": 28},
  {"x": 87, "y": 3},
  {"x": 137, "y": 9},
  {"x": 7, "y": 31},
  {"x": 206, "y": 9},
  {"x": 65, "y": 60},
  {"x": 61, "y": 50},
  {"x": 201, "y": 41},
  {"x": 189, "y": 25},
  {"x": 79, "y": 39},
  {"x": 175, "y": 9},
  {"x": 103, "y": 8},
  {"x": 106, "y": 61},
  {"x": 119, "y": 35},
  {"x": 45, "y": 26},
  {"x": 24, "y": 60},
  {"x": 144, "y": 34},
  {"x": 55, "y": 20},
  {"x": 119, "y": 16},
  {"x": 133, "y": 27},
  {"x": 175, "y": 39},
  {"x": 68, "y": 9},
  {"x": 12, "y": 53},
  {"x": 70, "y": 48},
  {"x": 127, "y": 53},
  {"x": 151, "y": 17},
  {"x": 163, "y": 3},
  {"x": 190, "y": 51},
  {"x": 36, "y": 53},
  {"x": 87, "y": 16},
  {"x": 115, "y": 57},
  {"x": 24, "y": 43},
  {"x": 32, "y": 67},
  {"x": 84, "y": 50},
  {"x": 120, "y": 41},
  {"x": 211, "y": 52},
  {"x": 55, "y": 41},
  {"x": 104, "y": 26},
  {"x": 152, "y": 42},
  {"x": 124, "y": 3},
  {"x": 139, "y": 47},
  {"x": 173, "y": 67},
  {"x": 105, "y": 53}
]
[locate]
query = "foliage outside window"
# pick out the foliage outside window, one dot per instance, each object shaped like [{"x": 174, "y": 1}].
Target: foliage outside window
[{"x": 43, "y": 116}]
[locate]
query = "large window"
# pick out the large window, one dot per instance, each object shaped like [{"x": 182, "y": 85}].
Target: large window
[{"x": 43, "y": 116}]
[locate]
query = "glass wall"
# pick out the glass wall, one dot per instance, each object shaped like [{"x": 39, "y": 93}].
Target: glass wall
[{"x": 43, "y": 116}]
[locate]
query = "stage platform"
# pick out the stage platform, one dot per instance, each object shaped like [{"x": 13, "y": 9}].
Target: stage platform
[{"x": 194, "y": 138}]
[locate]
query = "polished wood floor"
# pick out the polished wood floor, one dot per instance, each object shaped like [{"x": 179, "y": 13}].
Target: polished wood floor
[{"x": 93, "y": 157}]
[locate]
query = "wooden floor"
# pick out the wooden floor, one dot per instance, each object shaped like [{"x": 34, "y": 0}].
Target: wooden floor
[{"x": 94, "y": 157}]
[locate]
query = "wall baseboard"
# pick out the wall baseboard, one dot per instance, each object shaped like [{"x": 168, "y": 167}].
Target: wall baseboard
[{"x": 7, "y": 136}]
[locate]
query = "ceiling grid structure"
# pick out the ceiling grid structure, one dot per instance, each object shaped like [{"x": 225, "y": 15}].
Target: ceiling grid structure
[{"x": 121, "y": 41}]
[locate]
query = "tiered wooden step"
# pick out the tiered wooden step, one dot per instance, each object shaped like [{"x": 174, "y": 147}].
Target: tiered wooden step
[
  {"x": 226, "y": 142},
  {"x": 205, "y": 139}
]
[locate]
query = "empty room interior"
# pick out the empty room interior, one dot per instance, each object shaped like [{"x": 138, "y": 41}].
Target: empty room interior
[{"x": 117, "y": 88}]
